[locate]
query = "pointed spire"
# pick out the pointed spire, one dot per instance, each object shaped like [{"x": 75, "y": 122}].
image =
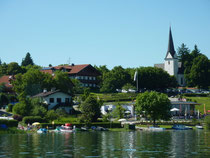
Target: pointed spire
[{"x": 170, "y": 45}]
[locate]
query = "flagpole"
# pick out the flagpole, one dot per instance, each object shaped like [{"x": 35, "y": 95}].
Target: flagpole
[{"x": 137, "y": 82}]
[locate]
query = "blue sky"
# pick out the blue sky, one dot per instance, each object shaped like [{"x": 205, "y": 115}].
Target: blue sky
[{"x": 130, "y": 33}]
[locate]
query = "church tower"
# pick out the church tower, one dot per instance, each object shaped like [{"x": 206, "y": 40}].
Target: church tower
[{"x": 171, "y": 61}]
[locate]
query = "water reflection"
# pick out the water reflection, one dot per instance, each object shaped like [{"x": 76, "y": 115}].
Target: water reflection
[{"x": 192, "y": 143}]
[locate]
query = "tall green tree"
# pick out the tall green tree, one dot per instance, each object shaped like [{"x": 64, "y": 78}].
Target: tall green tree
[
  {"x": 23, "y": 108},
  {"x": 13, "y": 68},
  {"x": 152, "y": 78},
  {"x": 90, "y": 108},
  {"x": 3, "y": 99},
  {"x": 3, "y": 69},
  {"x": 199, "y": 74},
  {"x": 103, "y": 70},
  {"x": 115, "y": 79},
  {"x": 119, "y": 111},
  {"x": 183, "y": 54},
  {"x": 27, "y": 60},
  {"x": 63, "y": 82},
  {"x": 32, "y": 83},
  {"x": 154, "y": 105}
]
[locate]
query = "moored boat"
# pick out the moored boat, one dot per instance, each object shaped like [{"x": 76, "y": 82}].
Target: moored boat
[
  {"x": 65, "y": 128},
  {"x": 199, "y": 127},
  {"x": 42, "y": 130},
  {"x": 181, "y": 127}
]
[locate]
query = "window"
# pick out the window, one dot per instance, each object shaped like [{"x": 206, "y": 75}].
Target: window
[
  {"x": 58, "y": 100},
  {"x": 86, "y": 77},
  {"x": 82, "y": 77},
  {"x": 67, "y": 100},
  {"x": 168, "y": 62},
  {"x": 51, "y": 100},
  {"x": 90, "y": 85},
  {"x": 90, "y": 78},
  {"x": 94, "y": 78}
]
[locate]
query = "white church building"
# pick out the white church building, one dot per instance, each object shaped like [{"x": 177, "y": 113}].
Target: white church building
[{"x": 171, "y": 64}]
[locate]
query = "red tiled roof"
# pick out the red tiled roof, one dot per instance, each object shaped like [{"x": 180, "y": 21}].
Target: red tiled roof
[
  {"x": 6, "y": 80},
  {"x": 73, "y": 69}
]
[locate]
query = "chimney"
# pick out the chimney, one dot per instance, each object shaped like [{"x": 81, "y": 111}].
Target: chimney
[{"x": 45, "y": 90}]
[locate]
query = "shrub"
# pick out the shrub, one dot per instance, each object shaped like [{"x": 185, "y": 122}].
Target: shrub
[
  {"x": 105, "y": 118},
  {"x": 32, "y": 119},
  {"x": 9, "y": 123},
  {"x": 10, "y": 106},
  {"x": 51, "y": 115},
  {"x": 17, "y": 117}
]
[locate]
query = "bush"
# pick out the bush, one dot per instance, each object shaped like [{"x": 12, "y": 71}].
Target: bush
[
  {"x": 32, "y": 119},
  {"x": 9, "y": 123},
  {"x": 51, "y": 115},
  {"x": 195, "y": 95},
  {"x": 10, "y": 106},
  {"x": 207, "y": 122},
  {"x": 17, "y": 117}
]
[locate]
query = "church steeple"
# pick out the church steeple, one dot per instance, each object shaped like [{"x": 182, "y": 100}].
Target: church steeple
[{"x": 170, "y": 50}]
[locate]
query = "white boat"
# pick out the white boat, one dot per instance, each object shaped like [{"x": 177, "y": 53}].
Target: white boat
[
  {"x": 156, "y": 129},
  {"x": 199, "y": 127},
  {"x": 65, "y": 129}
]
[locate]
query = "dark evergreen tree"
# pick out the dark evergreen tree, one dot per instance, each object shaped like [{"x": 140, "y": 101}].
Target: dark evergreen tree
[{"x": 27, "y": 60}]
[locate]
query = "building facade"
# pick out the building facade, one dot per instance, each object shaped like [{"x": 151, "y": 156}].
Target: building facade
[
  {"x": 86, "y": 73},
  {"x": 56, "y": 99}
]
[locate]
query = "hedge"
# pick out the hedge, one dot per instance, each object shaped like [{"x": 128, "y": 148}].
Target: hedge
[
  {"x": 195, "y": 95},
  {"x": 79, "y": 125},
  {"x": 9, "y": 123},
  {"x": 32, "y": 119}
]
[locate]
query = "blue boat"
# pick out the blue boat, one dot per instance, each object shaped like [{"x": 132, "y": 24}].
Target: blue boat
[
  {"x": 42, "y": 130},
  {"x": 181, "y": 127}
]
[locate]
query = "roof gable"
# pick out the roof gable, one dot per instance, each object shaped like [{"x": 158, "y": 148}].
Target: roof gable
[{"x": 73, "y": 69}]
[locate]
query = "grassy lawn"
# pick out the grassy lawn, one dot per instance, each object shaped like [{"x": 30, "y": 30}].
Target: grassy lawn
[
  {"x": 201, "y": 100},
  {"x": 116, "y": 97},
  {"x": 162, "y": 126}
]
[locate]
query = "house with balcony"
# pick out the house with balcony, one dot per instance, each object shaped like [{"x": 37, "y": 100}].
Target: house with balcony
[
  {"x": 85, "y": 73},
  {"x": 56, "y": 99}
]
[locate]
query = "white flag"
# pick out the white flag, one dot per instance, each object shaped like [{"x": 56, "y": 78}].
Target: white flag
[{"x": 135, "y": 76}]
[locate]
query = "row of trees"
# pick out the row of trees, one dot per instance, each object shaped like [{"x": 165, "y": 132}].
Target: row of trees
[
  {"x": 150, "y": 78},
  {"x": 196, "y": 66},
  {"x": 34, "y": 81},
  {"x": 14, "y": 68}
]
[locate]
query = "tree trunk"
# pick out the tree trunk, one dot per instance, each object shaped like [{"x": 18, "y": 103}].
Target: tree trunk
[{"x": 154, "y": 122}]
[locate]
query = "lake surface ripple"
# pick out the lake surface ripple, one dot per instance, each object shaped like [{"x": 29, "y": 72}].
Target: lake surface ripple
[{"x": 174, "y": 144}]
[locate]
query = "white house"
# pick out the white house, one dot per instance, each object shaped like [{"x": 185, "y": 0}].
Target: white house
[
  {"x": 56, "y": 99},
  {"x": 171, "y": 64}
]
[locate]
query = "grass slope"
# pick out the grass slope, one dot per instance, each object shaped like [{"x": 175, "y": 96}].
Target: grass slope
[{"x": 201, "y": 100}]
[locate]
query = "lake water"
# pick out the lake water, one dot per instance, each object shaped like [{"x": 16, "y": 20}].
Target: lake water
[{"x": 191, "y": 143}]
